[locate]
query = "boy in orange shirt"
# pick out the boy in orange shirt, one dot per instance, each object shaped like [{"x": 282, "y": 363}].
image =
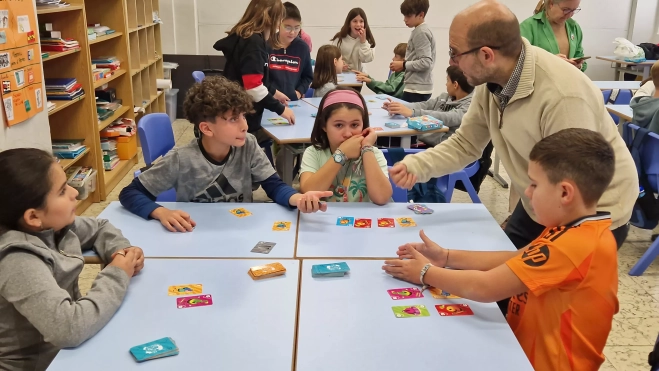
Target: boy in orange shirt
[{"x": 564, "y": 284}]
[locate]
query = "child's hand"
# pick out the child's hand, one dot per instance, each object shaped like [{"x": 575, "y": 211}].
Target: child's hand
[
  {"x": 346, "y": 66},
  {"x": 396, "y": 108},
  {"x": 310, "y": 202},
  {"x": 386, "y": 104},
  {"x": 138, "y": 252},
  {"x": 401, "y": 177},
  {"x": 370, "y": 137},
  {"x": 352, "y": 147},
  {"x": 174, "y": 220},
  {"x": 396, "y": 66},
  {"x": 363, "y": 78},
  {"x": 408, "y": 269},
  {"x": 127, "y": 260},
  {"x": 299, "y": 95},
  {"x": 281, "y": 97},
  {"x": 362, "y": 35},
  {"x": 437, "y": 255},
  {"x": 289, "y": 115}
]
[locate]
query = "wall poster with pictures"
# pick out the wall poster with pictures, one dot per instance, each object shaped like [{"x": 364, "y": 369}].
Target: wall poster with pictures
[{"x": 20, "y": 61}]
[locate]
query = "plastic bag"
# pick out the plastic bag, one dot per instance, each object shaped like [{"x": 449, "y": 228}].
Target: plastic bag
[{"x": 626, "y": 50}]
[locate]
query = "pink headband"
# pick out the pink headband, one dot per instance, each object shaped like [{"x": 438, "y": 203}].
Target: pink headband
[{"x": 343, "y": 96}]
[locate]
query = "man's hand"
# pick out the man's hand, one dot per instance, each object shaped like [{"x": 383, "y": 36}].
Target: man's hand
[{"x": 401, "y": 177}]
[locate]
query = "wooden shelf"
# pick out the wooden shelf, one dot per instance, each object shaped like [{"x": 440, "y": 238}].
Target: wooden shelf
[
  {"x": 131, "y": 30},
  {"x": 55, "y": 55},
  {"x": 112, "y": 177},
  {"x": 62, "y": 104},
  {"x": 101, "y": 82},
  {"x": 82, "y": 205},
  {"x": 120, "y": 111},
  {"x": 47, "y": 9},
  {"x": 68, "y": 162},
  {"x": 134, "y": 72},
  {"x": 106, "y": 37}
]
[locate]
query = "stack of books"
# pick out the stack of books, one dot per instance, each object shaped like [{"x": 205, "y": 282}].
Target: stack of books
[
  {"x": 52, "y": 41},
  {"x": 123, "y": 127},
  {"x": 96, "y": 30},
  {"x": 68, "y": 148},
  {"x": 51, "y": 4},
  {"x": 111, "y": 63},
  {"x": 106, "y": 109},
  {"x": 63, "y": 89},
  {"x": 110, "y": 157},
  {"x": 50, "y": 105}
]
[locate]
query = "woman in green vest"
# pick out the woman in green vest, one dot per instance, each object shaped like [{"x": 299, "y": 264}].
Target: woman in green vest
[{"x": 553, "y": 29}]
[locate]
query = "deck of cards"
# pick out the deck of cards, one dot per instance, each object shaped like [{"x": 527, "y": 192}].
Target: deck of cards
[
  {"x": 266, "y": 271},
  {"x": 330, "y": 270},
  {"x": 160, "y": 348},
  {"x": 420, "y": 209},
  {"x": 392, "y": 125},
  {"x": 263, "y": 247}
]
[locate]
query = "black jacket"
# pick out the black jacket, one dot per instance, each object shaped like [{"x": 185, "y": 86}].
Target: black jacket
[
  {"x": 290, "y": 69},
  {"x": 247, "y": 64}
]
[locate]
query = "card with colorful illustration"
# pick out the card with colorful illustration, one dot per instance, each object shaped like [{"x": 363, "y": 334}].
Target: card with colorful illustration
[
  {"x": 420, "y": 209},
  {"x": 408, "y": 311},
  {"x": 406, "y": 222},
  {"x": 386, "y": 223},
  {"x": 363, "y": 223},
  {"x": 405, "y": 293},
  {"x": 281, "y": 226},
  {"x": 160, "y": 348},
  {"x": 441, "y": 294},
  {"x": 345, "y": 221},
  {"x": 194, "y": 301},
  {"x": 279, "y": 121},
  {"x": 240, "y": 212},
  {"x": 266, "y": 271},
  {"x": 454, "y": 310},
  {"x": 263, "y": 247},
  {"x": 192, "y": 289}
]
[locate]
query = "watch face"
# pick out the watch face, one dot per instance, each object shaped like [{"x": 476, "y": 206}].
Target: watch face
[{"x": 338, "y": 158}]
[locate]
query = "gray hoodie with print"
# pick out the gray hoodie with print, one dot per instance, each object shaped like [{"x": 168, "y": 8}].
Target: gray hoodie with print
[
  {"x": 41, "y": 308},
  {"x": 442, "y": 107},
  {"x": 646, "y": 112}
]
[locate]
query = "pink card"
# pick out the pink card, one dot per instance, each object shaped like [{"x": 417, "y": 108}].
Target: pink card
[
  {"x": 406, "y": 293},
  {"x": 194, "y": 301}
]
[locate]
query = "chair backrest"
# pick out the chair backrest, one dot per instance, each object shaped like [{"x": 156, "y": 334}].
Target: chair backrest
[
  {"x": 399, "y": 194},
  {"x": 624, "y": 96},
  {"x": 472, "y": 168},
  {"x": 650, "y": 157},
  {"x": 408, "y": 151},
  {"x": 606, "y": 95},
  {"x": 198, "y": 76},
  {"x": 309, "y": 93},
  {"x": 156, "y": 136}
]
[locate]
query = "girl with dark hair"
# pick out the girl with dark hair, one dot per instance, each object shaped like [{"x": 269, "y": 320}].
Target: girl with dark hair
[
  {"x": 355, "y": 40},
  {"x": 41, "y": 245},
  {"x": 328, "y": 65},
  {"x": 343, "y": 158}
]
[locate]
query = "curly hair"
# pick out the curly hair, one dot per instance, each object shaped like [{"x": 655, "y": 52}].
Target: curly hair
[{"x": 215, "y": 96}]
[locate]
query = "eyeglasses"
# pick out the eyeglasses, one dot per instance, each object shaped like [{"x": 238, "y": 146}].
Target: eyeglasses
[
  {"x": 290, "y": 29},
  {"x": 567, "y": 11},
  {"x": 453, "y": 56}
]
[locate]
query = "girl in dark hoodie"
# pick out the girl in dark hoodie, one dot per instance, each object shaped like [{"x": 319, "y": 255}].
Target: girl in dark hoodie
[{"x": 246, "y": 54}]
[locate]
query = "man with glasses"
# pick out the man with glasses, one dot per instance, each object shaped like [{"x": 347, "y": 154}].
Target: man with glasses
[
  {"x": 290, "y": 66},
  {"x": 553, "y": 29},
  {"x": 523, "y": 95}
]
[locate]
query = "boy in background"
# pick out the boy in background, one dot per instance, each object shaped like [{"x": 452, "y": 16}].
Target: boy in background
[
  {"x": 420, "y": 56},
  {"x": 394, "y": 84}
]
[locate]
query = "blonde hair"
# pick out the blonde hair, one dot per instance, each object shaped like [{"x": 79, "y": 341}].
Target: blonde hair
[
  {"x": 261, "y": 16},
  {"x": 544, "y": 5},
  {"x": 654, "y": 73}
]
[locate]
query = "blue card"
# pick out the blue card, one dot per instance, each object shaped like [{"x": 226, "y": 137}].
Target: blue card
[
  {"x": 381, "y": 97},
  {"x": 345, "y": 221},
  {"x": 330, "y": 270},
  {"x": 164, "y": 347},
  {"x": 313, "y": 115}
]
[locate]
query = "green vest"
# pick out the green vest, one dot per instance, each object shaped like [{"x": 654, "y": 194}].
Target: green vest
[{"x": 538, "y": 31}]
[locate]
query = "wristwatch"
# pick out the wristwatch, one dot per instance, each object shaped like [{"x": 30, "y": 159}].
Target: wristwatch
[
  {"x": 367, "y": 149},
  {"x": 424, "y": 270},
  {"x": 339, "y": 157}
]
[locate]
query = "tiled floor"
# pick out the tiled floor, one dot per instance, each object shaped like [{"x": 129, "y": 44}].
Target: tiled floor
[{"x": 635, "y": 327}]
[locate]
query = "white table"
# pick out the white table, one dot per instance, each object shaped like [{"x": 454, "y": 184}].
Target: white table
[
  {"x": 621, "y": 110},
  {"x": 622, "y": 67},
  {"x": 610, "y": 85},
  {"x": 348, "y": 79},
  {"x": 250, "y": 326},
  {"x": 219, "y": 234},
  {"x": 454, "y": 226},
  {"x": 346, "y": 323},
  {"x": 288, "y": 134},
  {"x": 372, "y": 101}
]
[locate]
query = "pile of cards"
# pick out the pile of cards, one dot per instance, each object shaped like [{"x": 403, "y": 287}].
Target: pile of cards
[
  {"x": 420, "y": 209},
  {"x": 279, "y": 121},
  {"x": 266, "y": 271},
  {"x": 392, "y": 125},
  {"x": 160, "y": 348},
  {"x": 240, "y": 212},
  {"x": 263, "y": 247},
  {"x": 330, "y": 270}
]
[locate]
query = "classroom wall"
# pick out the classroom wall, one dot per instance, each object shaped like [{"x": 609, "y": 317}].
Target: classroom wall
[
  {"x": 194, "y": 25},
  {"x": 34, "y": 132}
]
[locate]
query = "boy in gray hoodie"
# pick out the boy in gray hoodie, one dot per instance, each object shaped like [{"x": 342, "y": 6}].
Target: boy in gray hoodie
[
  {"x": 420, "y": 56},
  {"x": 449, "y": 107},
  {"x": 41, "y": 244},
  {"x": 646, "y": 108}
]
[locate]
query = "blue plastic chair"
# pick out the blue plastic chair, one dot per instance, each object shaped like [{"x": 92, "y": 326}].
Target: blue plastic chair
[
  {"x": 167, "y": 196},
  {"x": 309, "y": 93},
  {"x": 446, "y": 184},
  {"x": 606, "y": 95},
  {"x": 157, "y": 138},
  {"x": 198, "y": 76},
  {"x": 650, "y": 161},
  {"x": 624, "y": 97}
]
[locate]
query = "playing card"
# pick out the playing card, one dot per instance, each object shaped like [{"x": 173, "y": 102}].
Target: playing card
[
  {"x": 240, "y": 212},
  {"x": 371, "y": 101},
  {"x": 381, "y": 97},
  {"x": 441, "y": 294},
  {"x": 178, "y": 290},
  {"x": 377, "y": 128},
  {"x": 454, "y": 310},
  {"x": 293, "y": 105},
  {"x": 330, "y": 270},
  {"x": 386, "y": 223},
  {"x": 345, "y": 221},
  {"x": 406, "y": 222},
  {"x": 420, "y": 209},
  {"x": 266, "y": 271},
  {"x": 160, "y": 348},
  {"x": 263, "y": 247},
  {"x": 393, "y": 125},
  {"x": 281, "y": 226},
  {"x": 363, "y": 223},
  {"x": 279, "y": 121},
  {"x": 313, "y": 115},
  {"x": 408, "y": 311},
  {"x": 194, "y": 301},
  {"x": 405, "y": 293}
]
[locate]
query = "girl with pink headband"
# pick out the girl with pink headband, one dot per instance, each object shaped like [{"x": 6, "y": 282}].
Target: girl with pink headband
[{"x": 343, "y": 158}]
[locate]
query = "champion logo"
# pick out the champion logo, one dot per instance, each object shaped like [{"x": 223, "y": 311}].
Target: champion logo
[
  {"x": 284, "y": 63},
  {"x": 275, "y": 59}
]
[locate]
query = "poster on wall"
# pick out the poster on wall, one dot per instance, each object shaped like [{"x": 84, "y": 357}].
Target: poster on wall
[{"x": 20, "y": 61}]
